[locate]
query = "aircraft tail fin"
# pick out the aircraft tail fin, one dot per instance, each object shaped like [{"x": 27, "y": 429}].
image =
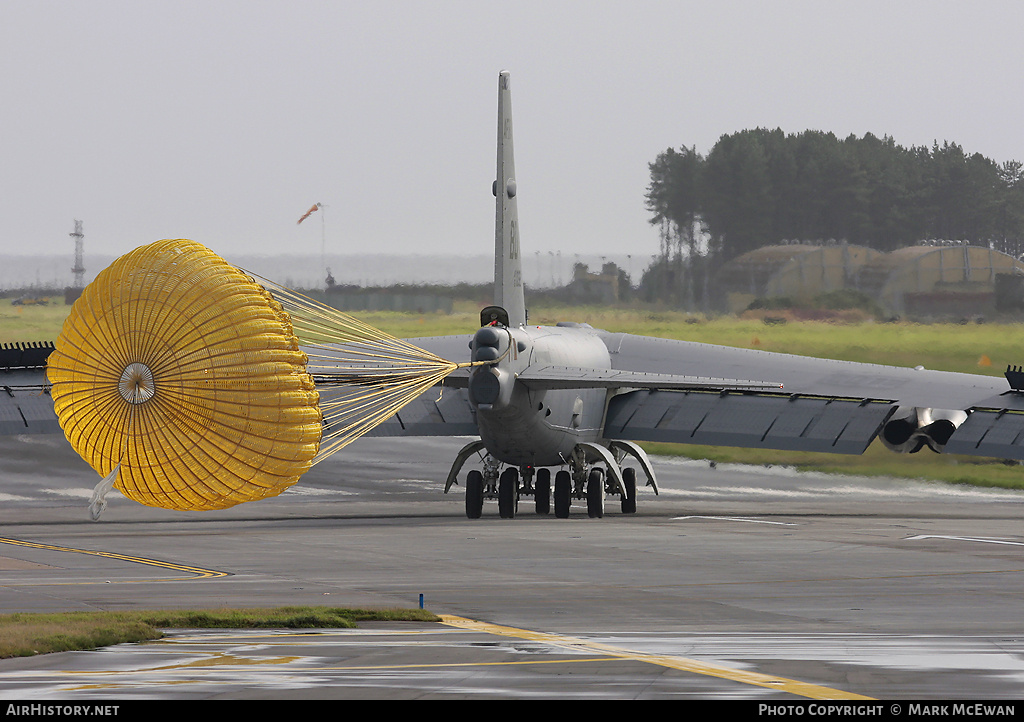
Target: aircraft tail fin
[{"x": 508, "y": 270}]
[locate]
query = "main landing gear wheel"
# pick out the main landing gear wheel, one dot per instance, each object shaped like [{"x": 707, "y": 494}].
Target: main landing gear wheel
[
  {"x": 563, "y": 492},
  {"x": 474, "y": 494},
  {"x": 542, "y": 491},
  {"x": 508, "y": 493},
  {"x": 595, "y": 494},
  {"x": 629, "y": 498}
]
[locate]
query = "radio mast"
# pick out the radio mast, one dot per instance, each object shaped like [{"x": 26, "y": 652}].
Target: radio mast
[{"x": 79, "y": 269}]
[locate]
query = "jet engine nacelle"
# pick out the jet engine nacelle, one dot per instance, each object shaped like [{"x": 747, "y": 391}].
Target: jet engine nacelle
[
  {"x": 491, "y": 386},
  {"x": 910, "y": 430}
]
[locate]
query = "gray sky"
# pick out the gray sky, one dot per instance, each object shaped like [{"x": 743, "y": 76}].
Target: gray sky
[{"x": 223, "y": 121}]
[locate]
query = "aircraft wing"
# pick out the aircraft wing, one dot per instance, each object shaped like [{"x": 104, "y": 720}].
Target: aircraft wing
[
  {"x": 441, "y": 410},
  {"x": 573, "y": 377},
  {"x": 25, "y": 403},
  {"x": 451, "y": 348},
  {"x": 824, "y": 405},
  {"x": 755, "y": 420}
]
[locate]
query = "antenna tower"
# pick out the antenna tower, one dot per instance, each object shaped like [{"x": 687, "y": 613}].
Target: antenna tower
[{"x": 79, "y": 269}]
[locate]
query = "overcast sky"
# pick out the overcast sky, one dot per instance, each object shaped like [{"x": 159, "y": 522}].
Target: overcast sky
[{"x": 223, "y": 121}]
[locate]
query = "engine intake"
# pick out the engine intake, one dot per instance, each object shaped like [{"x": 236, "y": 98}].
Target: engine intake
[{"x": 490, "y": 386}]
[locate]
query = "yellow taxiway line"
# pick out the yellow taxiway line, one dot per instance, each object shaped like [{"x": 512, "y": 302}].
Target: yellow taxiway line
[
  {"x": 197, "y": 571},
  {"x": 803, "y": 689}
]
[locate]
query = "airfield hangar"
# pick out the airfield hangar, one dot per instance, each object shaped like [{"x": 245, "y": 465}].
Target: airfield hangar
[
  {"x": 943, "y": 279},
  {"x": 935, "y": 279},
  {"x": 796, "y": 270}
]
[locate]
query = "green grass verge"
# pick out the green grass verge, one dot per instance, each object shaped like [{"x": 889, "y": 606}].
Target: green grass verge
[{"x": 25, "y": 635}]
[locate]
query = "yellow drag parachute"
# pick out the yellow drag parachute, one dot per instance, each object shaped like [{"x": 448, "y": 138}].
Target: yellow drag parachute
[{"x": 181, "y": 379}]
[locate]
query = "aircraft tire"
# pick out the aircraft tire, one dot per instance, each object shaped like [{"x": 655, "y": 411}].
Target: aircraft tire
[
  {"x": 508, "y": 488},
  {"x": 542, "y": 491},
  {"x": 474, "y": 494},
  {"x": 563, "y": 492},
  {"x": 595, "y": 494},
  {"x": 629, "y": 498}
]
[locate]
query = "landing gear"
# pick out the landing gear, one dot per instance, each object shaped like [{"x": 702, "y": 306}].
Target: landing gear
[
  {"x": 508, "y": 493},
  {"x": 480, "y": 485},
  {"x": 563, "y": 494},
  {"x": 583, "y": 478},
  {"x": 474, "y": 494},
  {"x": 629, "y": 498},
  {"x": 595, "y": 494},
  {"x": 542, "y": 491}
]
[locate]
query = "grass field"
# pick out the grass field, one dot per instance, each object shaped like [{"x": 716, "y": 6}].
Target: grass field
[
  {"x": 969, "y": 348},
  {"x": 32, "y": 323},
  {"x": 25, "y": 635}
]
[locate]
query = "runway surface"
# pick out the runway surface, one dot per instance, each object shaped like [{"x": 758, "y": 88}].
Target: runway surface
[{"x": 753, "y": 583}]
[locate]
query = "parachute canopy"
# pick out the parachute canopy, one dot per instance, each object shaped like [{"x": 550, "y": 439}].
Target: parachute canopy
[{"x": 184, "y": 380}]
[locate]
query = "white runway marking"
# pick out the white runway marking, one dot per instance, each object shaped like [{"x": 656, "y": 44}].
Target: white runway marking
[
  {"x": 965, "y": 538},
  {"x": 75, "y": 493},
  {"x": 13, "y": 497},
  {"x": 315, "y": 491},
  {"x": 734, "y": 518}
]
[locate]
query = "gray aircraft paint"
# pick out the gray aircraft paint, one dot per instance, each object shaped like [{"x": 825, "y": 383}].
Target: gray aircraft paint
[{"x": 508, "y": 267}]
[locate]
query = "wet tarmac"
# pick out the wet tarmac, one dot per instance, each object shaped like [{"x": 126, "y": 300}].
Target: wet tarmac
[{"x": 734, "y": 583}]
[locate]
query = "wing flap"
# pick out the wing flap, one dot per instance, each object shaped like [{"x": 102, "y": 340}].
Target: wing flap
[
  {"x": 990, "y": 432},
  {"x": 757, "y": 420}
]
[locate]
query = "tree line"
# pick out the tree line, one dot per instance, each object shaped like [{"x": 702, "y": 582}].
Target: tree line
[{"x": 761, "y": 187}]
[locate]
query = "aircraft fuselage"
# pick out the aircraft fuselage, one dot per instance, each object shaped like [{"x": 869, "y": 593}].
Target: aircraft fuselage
[{"x": 525, "y": 426}]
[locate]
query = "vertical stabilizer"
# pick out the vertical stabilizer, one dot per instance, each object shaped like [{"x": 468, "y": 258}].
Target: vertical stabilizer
[{"x": 508, "y": 270}]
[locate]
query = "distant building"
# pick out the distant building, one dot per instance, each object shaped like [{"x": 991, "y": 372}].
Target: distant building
[
  {"x": 938, "y": 278},
  {"x": 933, "y": 279},
  {"x": 587, "y": 287},
  {"x": 795, "y": 270}
]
